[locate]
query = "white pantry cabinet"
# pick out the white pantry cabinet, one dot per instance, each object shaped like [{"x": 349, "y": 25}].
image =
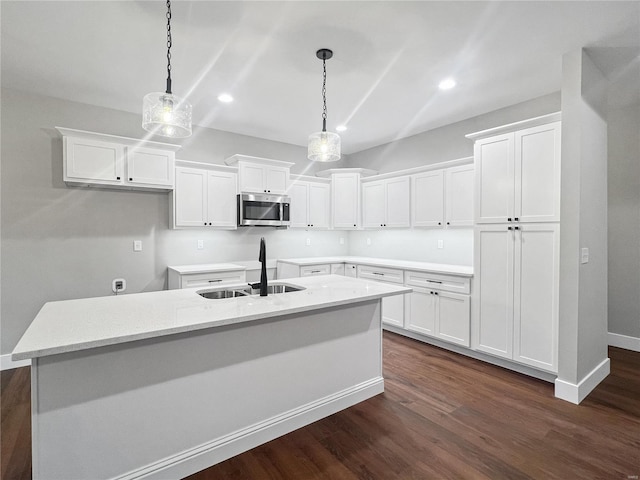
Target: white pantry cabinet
[
  {"x": 439, "y": 306},
  {"x": 260, "y": 175},
  {"x": 516, "y": 293},
  {"x": 518, "y": 175},
  {"x": 310, "y": 204},
  {"x": 100, "y": 160},
  {"x": 204, "y": 197},
  {"x": 443, "y": 198},
  {"x": 386, "y": 203}
]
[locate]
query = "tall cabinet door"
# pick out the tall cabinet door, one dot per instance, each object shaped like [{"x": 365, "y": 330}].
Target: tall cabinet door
[
  {"x": 373, "y": 204},
  {"x": 493, "y": 293},
  {"x": 494, "y": 179},
  {"x": 427, "y": 204},
  {"x": 345, "y": 204},
  {"x": 536, "y": 273},
  {"x": 537, "y": 174},
  {"x": 397, "y": 202},
  {"x": 320, "y": 205},
  {"x": 459, "y": 195},
  {"x": 190, "y": 197},
  {"x": 221, "y": 199},
  {"x": 299, "y": 214}
]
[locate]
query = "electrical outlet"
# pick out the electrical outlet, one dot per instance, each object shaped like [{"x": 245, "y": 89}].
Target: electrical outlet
[
  {"x": 200, "y": 244},
  {"x": 137, "y": 245},
  {"x": 584, "y": 255},
  {"x": 118, "y": 285},
  {"x": 308, "y": 242},
  {"x": 440, "y": 243},
  {"x": 368, "y": 241},
  {"x": 341, "y": 240}
]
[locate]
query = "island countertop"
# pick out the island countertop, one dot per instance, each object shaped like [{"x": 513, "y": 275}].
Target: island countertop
[{"x": 72, "y": 325}]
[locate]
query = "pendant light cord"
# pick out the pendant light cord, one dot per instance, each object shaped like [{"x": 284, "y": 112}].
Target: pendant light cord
[
  {"x": 168, "y": 46},
  {"x": 324, "y": 95}
]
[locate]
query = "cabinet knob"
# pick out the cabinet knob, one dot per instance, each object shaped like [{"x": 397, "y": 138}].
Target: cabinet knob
[
  {"x": 516, "y": 228},
  {"x": 516, "y": 219},
  {"x": 131, "y": 179},
  {"x": 439, "y": 223},
  {"x": 509, "y": 219},
  {"x": 354, "y": 224},
  {"x": 435, "y": 293},
  {"x": 509, "y": 228},
  {"x": 117, "y": 178},
  {"x": 448, "y": 223}
]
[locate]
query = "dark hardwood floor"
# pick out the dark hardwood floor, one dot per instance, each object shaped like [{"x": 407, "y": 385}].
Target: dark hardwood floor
[{"x": 442, "y": 416}]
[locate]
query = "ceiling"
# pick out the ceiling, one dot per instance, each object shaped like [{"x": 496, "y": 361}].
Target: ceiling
[{"x": 389, "y": 57}]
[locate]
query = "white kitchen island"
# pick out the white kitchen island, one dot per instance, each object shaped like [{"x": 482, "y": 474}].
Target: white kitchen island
[{"x": 164, "y": 384}]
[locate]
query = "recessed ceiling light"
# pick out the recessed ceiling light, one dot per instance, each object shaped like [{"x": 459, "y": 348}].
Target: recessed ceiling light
[
  {"x": 225, "y": 98},
  {"x": 341, "y": 128},
  {"x": 447, "y": 84}
]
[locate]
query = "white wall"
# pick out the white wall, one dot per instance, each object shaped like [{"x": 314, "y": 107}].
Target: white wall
[
  {"x": 624, "y": 221},
  {"x": 60, "y": 242},
  {"x": 582, "y": 350}
]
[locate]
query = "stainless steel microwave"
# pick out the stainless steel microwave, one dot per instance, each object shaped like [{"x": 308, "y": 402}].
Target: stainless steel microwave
[{"x": 260, "y": 209}]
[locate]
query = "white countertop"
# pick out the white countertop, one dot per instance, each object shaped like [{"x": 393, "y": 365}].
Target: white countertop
[
  {"x": 461, "y": 270},
  {"x": 73, "y": 325}
]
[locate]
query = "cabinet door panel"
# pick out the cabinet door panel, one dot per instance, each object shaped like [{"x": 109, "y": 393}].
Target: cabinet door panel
[
  {"x": 398, "y": 202},
  {"x": 459, "y": 196},
  {"x": 94, "y": 160},
  {"x": 537, "y": 174},
  {"x": 149, "y": 166},
  {"x": 299, "y": 207},
  {"x": 453, "y": 323},
  {"x": 251, "y": 178},
  {"x": 427, "y": 204},
  {"x": 222, "y": 204},
  {"x": 373, "y": 204},
  {"x": 276, "y": 179},
  {"x": 494, "y": 179},
  {"x": 421, "y": 312},
  {"x": 393, "y": 310},
  {"x": 493, "y": 315},
  {"x": 319, "y": 205},
  {"x": 190, "y": 197},
  {"x": 345, "y": 200},
  {"x": 536, "y": 296}
]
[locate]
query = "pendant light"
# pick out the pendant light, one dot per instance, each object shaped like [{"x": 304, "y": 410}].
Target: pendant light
[
  {"x": 164, "y": 113},
  {"x": 324, "y": 146}
]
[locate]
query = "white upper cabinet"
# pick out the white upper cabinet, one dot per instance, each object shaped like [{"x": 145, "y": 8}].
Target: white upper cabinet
[
  {"x": 443, "y": 198},
  {"x": 345, "y": 200},
  {"x": 518, "y": 176},
  {"x": 427, "y": 201},
  {"x": 310, "y": 204},
  {"x": 386, "y": 203},
  {"x": 204, "y": 197},
  {"x": 260, "y": 175},
  {"x": 117, "y": 162}
]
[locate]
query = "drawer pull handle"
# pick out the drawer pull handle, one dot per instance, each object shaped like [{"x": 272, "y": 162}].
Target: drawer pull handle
[
  {"x": 215, "y": 281},
  {"x": 376, "y": 273},
  {"x": 434, "y": 281}
]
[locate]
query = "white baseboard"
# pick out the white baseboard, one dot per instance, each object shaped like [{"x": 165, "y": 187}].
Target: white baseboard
[
  {"x": 220, "y": 449},
  {"x": 624, "y": 341},
  {"x": 7, "y": 364},
  {"x": 576, "y": 393}
]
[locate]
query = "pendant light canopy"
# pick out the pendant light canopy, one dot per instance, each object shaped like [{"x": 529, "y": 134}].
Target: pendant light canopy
[
  {"x": 324, "y": 146},
  {"x": 164, "y": 113}
]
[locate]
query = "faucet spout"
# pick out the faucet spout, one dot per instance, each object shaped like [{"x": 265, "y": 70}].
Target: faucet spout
[{"x": 262, "y": 258}]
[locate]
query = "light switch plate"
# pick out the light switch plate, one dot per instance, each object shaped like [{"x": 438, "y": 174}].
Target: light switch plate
[
  {"x": 137, "y": 245},
  {"x": 584, "y": 255},
  {"x": 200, "y": 244}
]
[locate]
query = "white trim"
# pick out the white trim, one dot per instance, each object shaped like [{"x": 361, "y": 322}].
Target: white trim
[
  {"x": 105, "y": 137},
  {"x": 7, "y": 364},
  {"x": 237, "y": 158},
  {"x": 576, "y": 393},
  {"x": 425, "y": 168},
  {"x": 210, "y": 453},
  {"x": 511, "y": 127},
  {"x": 624, "y": 341}
]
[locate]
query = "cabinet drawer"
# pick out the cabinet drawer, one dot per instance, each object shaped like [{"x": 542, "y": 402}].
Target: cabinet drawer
[
  {"x": 315, "y": 270},
  {"x": 381, "y": 274},
  {"x": 447, "y": 283},
  {"x": 211, "y": 279}
]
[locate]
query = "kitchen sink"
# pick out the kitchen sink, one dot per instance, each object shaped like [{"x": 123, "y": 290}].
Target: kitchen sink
[{"x": 248, "y": 291}]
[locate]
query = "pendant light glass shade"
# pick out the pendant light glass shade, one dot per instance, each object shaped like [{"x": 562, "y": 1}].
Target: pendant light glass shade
[
  {"x": 167, "y": 115},
  {"x": 324, "y": 147}
]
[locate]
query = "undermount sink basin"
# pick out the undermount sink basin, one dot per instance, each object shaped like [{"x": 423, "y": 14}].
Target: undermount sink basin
[{"x": 248, "y": 291}]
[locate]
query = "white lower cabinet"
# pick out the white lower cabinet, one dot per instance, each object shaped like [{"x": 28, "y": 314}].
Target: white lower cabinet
[
  {"x": 351, "y": 270},
  {"x": 392, "y": 307},
  {"x": 516, "y": 295},
  {"x": 436, "y": 312},
  {"x": 179, "y": 280}
]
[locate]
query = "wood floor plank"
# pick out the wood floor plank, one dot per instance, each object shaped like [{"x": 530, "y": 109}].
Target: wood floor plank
[{"x": 442, "y": 416}]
